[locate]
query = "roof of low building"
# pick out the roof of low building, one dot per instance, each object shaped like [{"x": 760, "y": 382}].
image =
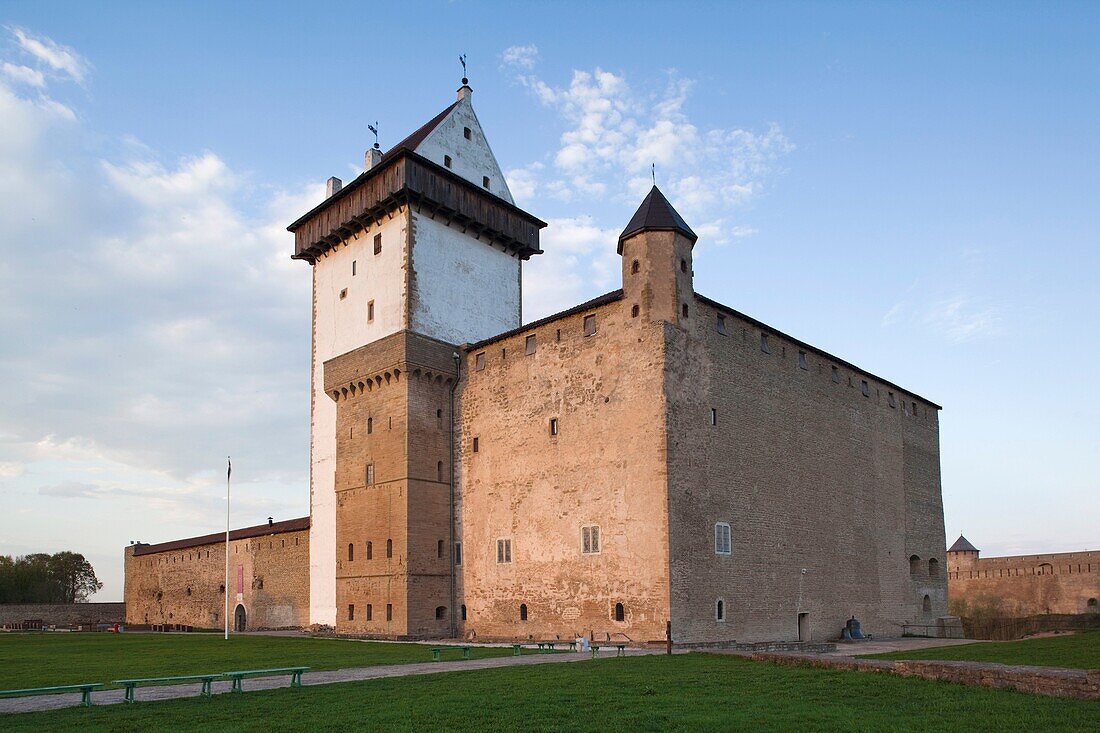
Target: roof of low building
[
  {"x": 259, "y": 530},
  {"x": 962, "y": 545},
  {"x": 656, "y": 214}
]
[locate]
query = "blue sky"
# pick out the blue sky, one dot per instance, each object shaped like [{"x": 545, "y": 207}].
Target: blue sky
[{"x": 911, "y": 187}]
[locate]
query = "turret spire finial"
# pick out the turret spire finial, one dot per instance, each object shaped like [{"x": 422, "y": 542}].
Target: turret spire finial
[{"x": 462, "y": 60}]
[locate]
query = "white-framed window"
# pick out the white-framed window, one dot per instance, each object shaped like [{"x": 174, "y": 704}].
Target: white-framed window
[
  {"x": 590, "y": 539},
  {"x": 722, "y": 539},
  {"x": 370, "y": 474},
  {"x": 720, "y": 610},
  {"x": 504, "y": 550}
]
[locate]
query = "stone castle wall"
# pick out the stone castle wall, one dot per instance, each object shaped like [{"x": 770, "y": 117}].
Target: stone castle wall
[
  {"x": 62, "y": 614},
  {"x": 393, "y": 487},
  {"x": 1021, "y": 585},
  {"x": 828, "y": 492},
  {"x": 604, "y": 468},
  {"x": 269, "y": 577}
]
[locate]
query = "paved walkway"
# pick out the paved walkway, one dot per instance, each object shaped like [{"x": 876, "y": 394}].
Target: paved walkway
[
  {"x": 904, "y": 644},
  {"x": 321, "y": 677}
]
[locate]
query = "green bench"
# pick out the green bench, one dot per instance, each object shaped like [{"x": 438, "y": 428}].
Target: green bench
[
  {"x": 545, "y": 647},
  {"x": 207, "y": 683},
  {"x": 85, "y": 691},
  {"x": 620, "y": 650},
  {"x": 437, "y": 653},
  {"x": 294, "y": 672}
]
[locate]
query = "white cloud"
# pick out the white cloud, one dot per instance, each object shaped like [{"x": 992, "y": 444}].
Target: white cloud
[
  {"x": 523, "y": 182},
  {"x": 159, "y": 325},
  {"x": 583, "y": 258},
  {"x": 57, "y": 57},
  {"x": 962, "y": 319},
  {"x": 523, "y": 57},
  {"x": 613, "y": 135},
  {"x": 24, "y": 74},
  {"x": 11, "y": 469}
]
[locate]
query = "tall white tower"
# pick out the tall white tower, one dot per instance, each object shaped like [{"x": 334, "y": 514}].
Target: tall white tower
[{"x": 427, "y": 240}]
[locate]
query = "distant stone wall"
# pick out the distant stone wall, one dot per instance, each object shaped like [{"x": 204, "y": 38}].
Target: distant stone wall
[
  {"x": 269, "y": 580},
  {"x": 1022, "y": 585},
  {"x": 63, "y": 614}
]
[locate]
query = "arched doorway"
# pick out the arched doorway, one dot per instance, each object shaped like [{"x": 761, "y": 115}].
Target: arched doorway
[{"x": 240, "y": 620}]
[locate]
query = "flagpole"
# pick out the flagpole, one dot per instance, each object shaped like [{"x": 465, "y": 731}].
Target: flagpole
[{"x": 228, "y": 473}]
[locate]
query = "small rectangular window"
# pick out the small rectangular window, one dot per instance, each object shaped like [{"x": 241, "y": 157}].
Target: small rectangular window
[
  {"x": 764, "y": 344},
  {"x": 378, "y": 243},
  {"x": 504, "y": 551},
  {"x": 476, "y": 445},
  {"x": 353, "y": 268},
  {"x": 558, "y": 337},
  {"x": 485, "y": 181},
  {"x": 479, "y": 361},
  {"x": 370, "y": 474},
  {"x": 589, "y": 325},
  {"x": 890, "y": 398},
  {"x": 466, "y": 133},
  {"x": 865, "y": 388},
  {"x": 389, "y": 612},
  {"x": 722, "y": 324},
  {"x": 529, "y": 344},
  {"x": 343, "y": 293},
  {"x": 722, "y": 539},
  {"x": 370, "y": 612},
  {"x": 553, "y": 426},
  {"x": 447, "y": 161},
  {"x": 370, "y": 311},
  {"x": 802, "y": 360},
  {"x": 351, "y": 612},
  {"x": 458, "y": 553},
  {"x": 713, "y": 416},
  {"x": 836, "y": 376},
  {"x": 590, "y": 540}
]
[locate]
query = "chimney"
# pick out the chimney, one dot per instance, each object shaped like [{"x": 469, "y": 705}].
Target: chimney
[
  {"x": 464, "y": 91},
  {"x": 271, "y": 521},
  {"x": 372, "y": 157},
  {"x": 332, "y": 186}
]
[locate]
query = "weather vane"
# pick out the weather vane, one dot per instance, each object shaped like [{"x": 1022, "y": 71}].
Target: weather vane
[
  {"x": 462, "y": 60},
  {"x": 374, "y": 128},
  {"x": 653, "y": 172}
]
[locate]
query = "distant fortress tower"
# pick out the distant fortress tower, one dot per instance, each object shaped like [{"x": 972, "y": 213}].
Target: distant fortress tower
[{"x": 421, "y": 251}]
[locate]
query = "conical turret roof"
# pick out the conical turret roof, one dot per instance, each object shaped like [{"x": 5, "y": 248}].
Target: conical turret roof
[
  {"x": 962, "y": 545},
  {"x": 656, "y": 214}
]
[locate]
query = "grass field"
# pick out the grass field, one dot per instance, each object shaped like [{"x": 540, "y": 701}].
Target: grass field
[
  {"x": 690, "y": 692},
  {"x": 1076, "y": 651},
  {"x": 43, "y": 660}
]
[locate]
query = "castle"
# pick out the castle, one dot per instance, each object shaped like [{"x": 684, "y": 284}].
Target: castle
[
  {"x": 1023, "y": 585},
  {"x": 649, "y": 459}
]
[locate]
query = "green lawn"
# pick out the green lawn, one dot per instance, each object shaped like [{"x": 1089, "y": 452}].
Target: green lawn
[
  {"x": 43, "y": 660},
  {"x": 1077, "y": 651},
  {"x": 692, "y": 692}
]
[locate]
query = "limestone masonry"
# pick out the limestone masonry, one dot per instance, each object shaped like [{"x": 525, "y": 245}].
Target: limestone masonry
[
  {"x": 1023, "y": 585},
  {"x": 650, "y": 458}
]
